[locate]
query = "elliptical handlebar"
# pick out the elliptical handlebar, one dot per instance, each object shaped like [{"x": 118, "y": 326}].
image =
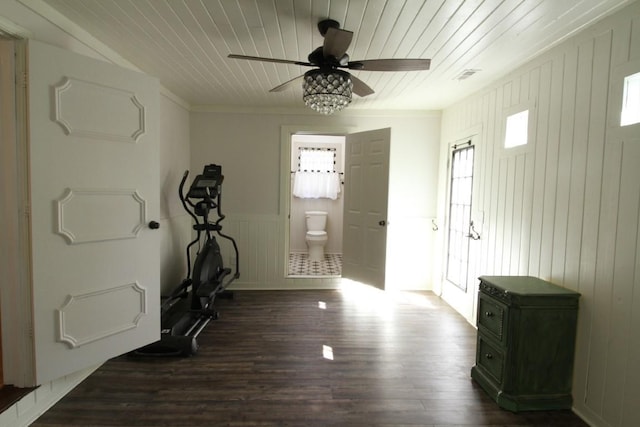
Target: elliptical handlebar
[{"x": 183, "y": 199}]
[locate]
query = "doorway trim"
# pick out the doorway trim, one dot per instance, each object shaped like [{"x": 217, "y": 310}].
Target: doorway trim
[{"x": 15, "y": 289}]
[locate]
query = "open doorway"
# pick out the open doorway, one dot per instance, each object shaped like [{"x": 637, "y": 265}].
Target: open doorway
[{"x": 316, "y": 195}]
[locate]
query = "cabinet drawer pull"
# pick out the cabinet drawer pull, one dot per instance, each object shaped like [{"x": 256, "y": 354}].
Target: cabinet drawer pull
[
  {"x": 489, "y": 314},
  {"x": 489, "y": 356}
]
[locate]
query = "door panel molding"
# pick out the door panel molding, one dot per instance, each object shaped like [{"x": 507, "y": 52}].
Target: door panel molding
[
  {"x": 94, "y": 215},
  {"x": 122, "y": 115},
  {"x": 75, "y": 331}
]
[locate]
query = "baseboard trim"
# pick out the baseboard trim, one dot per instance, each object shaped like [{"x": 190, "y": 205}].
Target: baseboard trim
[{"x": 26, "y": 410}]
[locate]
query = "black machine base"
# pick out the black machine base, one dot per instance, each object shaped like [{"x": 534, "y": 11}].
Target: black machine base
[{"x": 169, "y": 346}]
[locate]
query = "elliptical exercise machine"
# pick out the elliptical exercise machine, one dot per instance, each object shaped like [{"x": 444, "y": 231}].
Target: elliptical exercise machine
[{"x": 190, "y": 307}]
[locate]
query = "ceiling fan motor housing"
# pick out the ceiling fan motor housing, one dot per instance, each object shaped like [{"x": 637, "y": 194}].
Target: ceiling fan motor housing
[{"x": 325, "y": 24}]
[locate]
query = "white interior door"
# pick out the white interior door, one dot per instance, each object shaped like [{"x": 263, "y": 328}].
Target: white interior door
[
  {"x": 366, "y": 194},
  {"x": 94, "y": 188}
]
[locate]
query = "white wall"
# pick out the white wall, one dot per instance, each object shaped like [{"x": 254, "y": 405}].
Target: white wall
[
  {"x": 567, "y": 209},
  {"x": 175, "y": 223},
  {"x": 248, "y": 146}
]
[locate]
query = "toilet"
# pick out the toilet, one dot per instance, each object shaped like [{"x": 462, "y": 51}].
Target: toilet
[{"x": 316, "y": 235}]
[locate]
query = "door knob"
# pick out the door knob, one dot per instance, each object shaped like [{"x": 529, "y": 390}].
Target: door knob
[
  {"x": 154, "y": 225},
  {"x": 382, "y": 223}
]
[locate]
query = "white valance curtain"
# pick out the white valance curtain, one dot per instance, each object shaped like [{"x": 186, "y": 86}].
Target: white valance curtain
[{"x": 316, "y": 185}]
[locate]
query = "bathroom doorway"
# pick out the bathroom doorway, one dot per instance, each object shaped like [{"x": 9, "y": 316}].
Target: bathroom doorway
[{"x": 317, "y": 171}]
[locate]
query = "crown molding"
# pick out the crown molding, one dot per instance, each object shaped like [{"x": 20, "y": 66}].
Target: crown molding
[
  {"x": 77, "y": 32},
  {"x": 13, "y": 30}
]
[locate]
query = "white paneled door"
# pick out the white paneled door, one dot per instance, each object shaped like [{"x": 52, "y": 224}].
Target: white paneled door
[
  {"x": 94, "y": 191},
  {"x": 365, "y": 206}
]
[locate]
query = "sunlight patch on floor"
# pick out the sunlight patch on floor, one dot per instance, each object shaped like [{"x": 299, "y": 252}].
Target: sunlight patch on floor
[
  {"x": 372, "y": 297},
  {"x": 412, "y": 298},
  {"x": 327, "y": 352}
]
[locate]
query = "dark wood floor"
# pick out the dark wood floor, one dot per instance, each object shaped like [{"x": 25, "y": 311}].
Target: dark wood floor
[{"x": 279, "y": 359}]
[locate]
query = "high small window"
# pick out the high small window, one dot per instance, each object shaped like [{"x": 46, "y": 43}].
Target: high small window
[
  {"x": 517, "y": 127},
  {"x": 630, "y": 114}
]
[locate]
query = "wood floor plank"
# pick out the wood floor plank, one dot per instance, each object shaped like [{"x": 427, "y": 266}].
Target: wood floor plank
[{"x": 305, "y": 358}]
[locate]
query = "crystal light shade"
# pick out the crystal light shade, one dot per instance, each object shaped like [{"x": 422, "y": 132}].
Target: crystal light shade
[{"x": 327, "y": 91}]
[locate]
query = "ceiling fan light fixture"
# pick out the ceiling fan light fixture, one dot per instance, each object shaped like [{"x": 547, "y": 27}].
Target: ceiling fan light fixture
[{"x": 327, "y": 91}]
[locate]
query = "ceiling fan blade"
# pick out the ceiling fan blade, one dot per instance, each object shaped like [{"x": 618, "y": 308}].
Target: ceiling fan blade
[
  {"x": 360, "y": 88},
  {"x": 336, "y": 42},
  {"x": 287, "y": 85},
  {"x": 259, "y": 58},
  {"x": 391, "y": 64}
]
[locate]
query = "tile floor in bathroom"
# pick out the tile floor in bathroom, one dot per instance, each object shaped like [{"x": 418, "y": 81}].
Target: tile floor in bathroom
[{"x": 300, "y": 265}]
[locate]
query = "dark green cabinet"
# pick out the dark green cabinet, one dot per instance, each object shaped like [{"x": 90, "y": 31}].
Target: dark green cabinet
[{"x": 526, "y": 342}]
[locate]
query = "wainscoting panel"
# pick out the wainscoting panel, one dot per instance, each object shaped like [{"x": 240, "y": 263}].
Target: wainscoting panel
[
  {"x": 567, "y": 209},
  {"x": 259, "y": 245}
]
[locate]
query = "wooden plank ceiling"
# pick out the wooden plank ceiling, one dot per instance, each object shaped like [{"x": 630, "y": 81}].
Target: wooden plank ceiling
[{"x": 185, "y": 43}]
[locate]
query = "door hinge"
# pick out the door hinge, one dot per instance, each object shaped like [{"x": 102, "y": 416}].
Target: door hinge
[{"x": 21, "y": 80}]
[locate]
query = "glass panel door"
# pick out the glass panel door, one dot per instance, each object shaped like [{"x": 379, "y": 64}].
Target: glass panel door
[{"x": 461, "y": 186}]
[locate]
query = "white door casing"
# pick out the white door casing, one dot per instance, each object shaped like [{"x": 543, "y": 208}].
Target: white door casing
[
  {"x": 94, "y": 187},
  {"x": 366, "y": 195}
]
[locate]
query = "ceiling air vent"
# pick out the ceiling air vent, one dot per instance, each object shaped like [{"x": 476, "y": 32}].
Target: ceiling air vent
[{"x": 465, "y": 74}]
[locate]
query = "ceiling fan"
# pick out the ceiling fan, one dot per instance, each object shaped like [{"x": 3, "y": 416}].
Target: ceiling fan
[{"x": 327, "y": 88}]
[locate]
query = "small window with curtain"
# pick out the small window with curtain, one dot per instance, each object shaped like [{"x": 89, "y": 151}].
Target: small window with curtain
[{"x": 316, "y": 177}]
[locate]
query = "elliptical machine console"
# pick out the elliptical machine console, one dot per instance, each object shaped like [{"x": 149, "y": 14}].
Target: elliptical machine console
[
  {"x": 190, "y": 307},
  {"x": 206, "y": 185}
]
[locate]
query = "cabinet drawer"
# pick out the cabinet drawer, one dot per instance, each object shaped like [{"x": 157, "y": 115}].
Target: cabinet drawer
[
  {"x": 492, "y": 317},
  {"x": 490, "y": 359}
]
